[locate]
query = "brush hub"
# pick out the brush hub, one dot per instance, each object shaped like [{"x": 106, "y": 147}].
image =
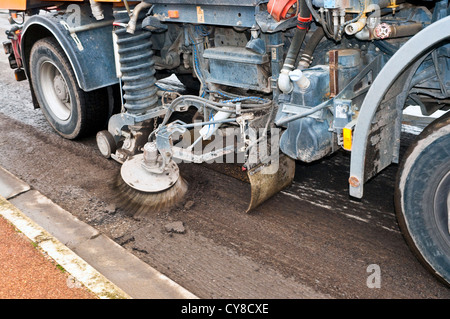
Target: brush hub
[{"x": 137, "y": 175}]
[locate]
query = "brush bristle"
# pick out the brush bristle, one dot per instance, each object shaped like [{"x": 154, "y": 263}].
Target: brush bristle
[{"x": 138, "y": 204}]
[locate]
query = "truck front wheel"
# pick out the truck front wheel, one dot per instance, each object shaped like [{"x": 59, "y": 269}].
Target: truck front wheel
[
  {"x": 71, "y": 111},
  {"x": 423, "y": 197}
]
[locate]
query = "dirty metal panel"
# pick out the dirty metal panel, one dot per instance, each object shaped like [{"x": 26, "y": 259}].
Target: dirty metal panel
[
  {"x": 383, "y": 143},
  {"x": 382, "y": 139},
  {"x": 236, "y": 16},
  {"x": 238, "y": 67},
  {"x": 266, "y": 181}
]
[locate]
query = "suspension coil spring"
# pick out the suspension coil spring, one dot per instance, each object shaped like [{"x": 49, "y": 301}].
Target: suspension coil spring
[{"x": 136, "y": 66}]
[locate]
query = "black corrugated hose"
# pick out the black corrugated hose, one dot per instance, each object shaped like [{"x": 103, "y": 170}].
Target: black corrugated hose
[
  {"x": 316, "y": 37},
  {"x": 304, "y": 21}
]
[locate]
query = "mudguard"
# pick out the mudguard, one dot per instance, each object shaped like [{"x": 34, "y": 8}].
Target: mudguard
[
  {"x": 369, "y": 127},
  {"x": 89, "y": 47}
]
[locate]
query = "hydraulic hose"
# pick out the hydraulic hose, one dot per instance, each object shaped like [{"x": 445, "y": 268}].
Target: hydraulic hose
[
  {"x": 307, "y": 54},
  {"x": 217, "y": 106},
  {"x": 386, "y": 47},
  {"x": 313, "y": 110},
  {"x": 131, "y": 28},
  {"x": 304, "y": 20},
  {"x": 319, "y": 19}
]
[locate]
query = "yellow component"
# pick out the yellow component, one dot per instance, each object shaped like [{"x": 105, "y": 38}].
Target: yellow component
[
  {"x": 173, "y": 14},
  {"x": 13, "y": 4},
  {"x": 348, "y": 135},
  {"x": 200, "y": 15},
  {"x": 393, "y": 4},
  {"x": 21, "y": 5}
]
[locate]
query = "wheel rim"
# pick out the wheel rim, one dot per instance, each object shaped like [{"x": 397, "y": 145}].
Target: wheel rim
[
  {"x": 55, "y": 91},
  {"x": 442, "y": 206},
  {"x": 103, "y": 145}
]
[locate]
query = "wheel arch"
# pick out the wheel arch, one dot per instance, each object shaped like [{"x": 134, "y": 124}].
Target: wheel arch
[
  {"x": 402, "y": 64},
  {"x": 91, "y": 73}
]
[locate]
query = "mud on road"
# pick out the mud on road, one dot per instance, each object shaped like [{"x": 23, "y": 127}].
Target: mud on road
[{"x": 309, "y": 241}]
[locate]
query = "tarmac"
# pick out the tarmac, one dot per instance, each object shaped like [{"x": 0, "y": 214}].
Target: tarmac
[{"x": 47, "y": 253}]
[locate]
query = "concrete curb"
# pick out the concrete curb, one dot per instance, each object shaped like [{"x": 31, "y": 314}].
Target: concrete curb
[
  {"x": 103, "y": 266},
  {"x": 72, "y": 263}
]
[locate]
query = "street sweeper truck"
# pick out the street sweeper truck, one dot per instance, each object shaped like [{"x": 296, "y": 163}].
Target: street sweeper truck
[{"x": 267, "y": 83}]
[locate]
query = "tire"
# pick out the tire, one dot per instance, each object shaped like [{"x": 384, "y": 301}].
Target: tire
[
  {"x": 106, "y": 143},
  {"x": 422, "y": 197},
  {"x": 72, "y": 112}
]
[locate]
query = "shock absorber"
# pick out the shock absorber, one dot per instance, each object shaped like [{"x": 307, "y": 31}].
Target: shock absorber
[
  {"x": 137, "y": 66},
  {"x": 128, "y": 131}
]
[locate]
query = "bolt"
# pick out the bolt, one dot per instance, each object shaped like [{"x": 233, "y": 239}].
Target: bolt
[{"x": 353, "y": 181}]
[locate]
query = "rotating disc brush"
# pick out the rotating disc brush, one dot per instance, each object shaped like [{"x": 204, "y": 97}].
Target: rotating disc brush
[{"x": 143, "y": 192}]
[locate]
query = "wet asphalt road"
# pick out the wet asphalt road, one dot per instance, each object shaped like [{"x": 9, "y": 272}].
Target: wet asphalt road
[{"x": 309, "y": 241}]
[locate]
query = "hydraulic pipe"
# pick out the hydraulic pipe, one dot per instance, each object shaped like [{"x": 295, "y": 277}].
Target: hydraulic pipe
[{"x": 406, "y": 30}]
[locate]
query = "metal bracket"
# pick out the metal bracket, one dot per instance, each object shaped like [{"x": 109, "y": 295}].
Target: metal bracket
[
  {"x": 73, "y": 35},
  {"x": 188, "y": 155},
  {"x": 118, "y": 121}
]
